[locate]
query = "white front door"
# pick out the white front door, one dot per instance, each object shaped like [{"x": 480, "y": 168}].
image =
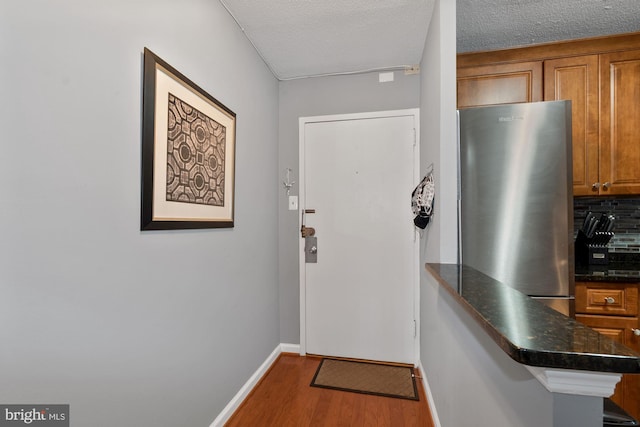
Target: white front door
[{"x": 357, "y": 174}]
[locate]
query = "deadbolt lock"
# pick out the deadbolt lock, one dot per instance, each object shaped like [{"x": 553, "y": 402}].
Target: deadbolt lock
[{"x": 307, "y": 231}]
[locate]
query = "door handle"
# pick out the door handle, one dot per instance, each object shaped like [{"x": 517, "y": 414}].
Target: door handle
[{"x": 307, "y": 231}]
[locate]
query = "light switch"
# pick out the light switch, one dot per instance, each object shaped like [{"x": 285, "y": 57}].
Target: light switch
[
  {"x": 385, "y": 77},
  {"x": 293, "y": 203}
]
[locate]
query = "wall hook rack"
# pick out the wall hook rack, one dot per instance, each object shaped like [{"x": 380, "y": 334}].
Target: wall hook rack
[{"x": 287, "y": 181}]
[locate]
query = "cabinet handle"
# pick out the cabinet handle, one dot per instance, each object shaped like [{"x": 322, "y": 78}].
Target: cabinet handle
[
  {"x": 606, "y": 185},
  {"x": 595, "y": 186},
  {"x": 636, "y": 332},
  {"x": 609, "y": 300}
]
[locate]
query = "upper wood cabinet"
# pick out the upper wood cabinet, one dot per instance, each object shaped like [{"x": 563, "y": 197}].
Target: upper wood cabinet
[
  {"x": 500, "y": 84},
  {"x": 576, "y": 79},
  {"x": 620, "y": 122},
  {"x": 600, "y": 76}
]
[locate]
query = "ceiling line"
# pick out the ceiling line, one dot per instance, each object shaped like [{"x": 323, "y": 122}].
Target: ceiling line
[
  {"x": 250, "y": 41},
  {"x": 341, "y": 73},
  {"x": 344, "y": 73}
]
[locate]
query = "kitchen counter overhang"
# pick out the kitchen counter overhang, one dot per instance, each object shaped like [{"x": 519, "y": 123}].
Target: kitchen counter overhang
[{"x": 531, "y": 333}]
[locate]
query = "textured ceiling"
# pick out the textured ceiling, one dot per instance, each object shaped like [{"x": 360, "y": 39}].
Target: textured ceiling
[
  {"x": 311, "y": 37},
  {"x": 496, "y": 24},
  {"x": 300, "y": 38}
]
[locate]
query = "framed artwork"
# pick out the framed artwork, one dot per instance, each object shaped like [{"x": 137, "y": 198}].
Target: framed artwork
[{"x": 188, "y": 152}]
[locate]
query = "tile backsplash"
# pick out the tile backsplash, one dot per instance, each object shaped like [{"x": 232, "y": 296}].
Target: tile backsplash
[{"x": 626, "y": 212}]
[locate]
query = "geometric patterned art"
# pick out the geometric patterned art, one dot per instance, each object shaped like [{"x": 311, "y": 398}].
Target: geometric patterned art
[{"x": 195, "y": 156}]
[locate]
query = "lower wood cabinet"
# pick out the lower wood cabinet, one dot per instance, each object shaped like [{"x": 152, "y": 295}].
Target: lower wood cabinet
[{"x": 612, "y": 310}]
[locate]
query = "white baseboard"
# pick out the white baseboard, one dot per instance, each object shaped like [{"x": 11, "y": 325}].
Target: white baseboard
[
  {"x": 427, "y": 392},
  {"x": 237, "y": 400},
  {"x": 290, "y": 348}
]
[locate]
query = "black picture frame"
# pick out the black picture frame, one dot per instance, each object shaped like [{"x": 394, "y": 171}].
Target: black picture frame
[{"x": 188, "y": 153}]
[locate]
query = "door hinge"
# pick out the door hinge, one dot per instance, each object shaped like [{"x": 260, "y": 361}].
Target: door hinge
[
  {"x": 415, "y": 328},
  {"x": 415, "y": 142}
]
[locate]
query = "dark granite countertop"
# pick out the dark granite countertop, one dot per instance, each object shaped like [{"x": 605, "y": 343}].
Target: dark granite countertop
[{"x": 530, "y": 332}]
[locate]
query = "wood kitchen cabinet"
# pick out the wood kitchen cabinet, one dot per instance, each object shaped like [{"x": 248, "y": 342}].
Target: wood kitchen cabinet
[
  {"x": 612, "y": 310},
  {"x": 576, "y": 79},
  {"x": 600, "y": 76},
  {"x": 619, "y": 121},
  {"x": 605, "y": 95},
  {"x": 499, "y": 84}
]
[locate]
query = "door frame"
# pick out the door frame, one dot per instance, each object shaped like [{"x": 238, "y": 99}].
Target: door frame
[{"x": 302, "y": 122}]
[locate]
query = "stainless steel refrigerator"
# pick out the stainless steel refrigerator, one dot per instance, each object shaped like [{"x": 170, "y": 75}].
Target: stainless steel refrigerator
[{"x": 515, "y": 197}]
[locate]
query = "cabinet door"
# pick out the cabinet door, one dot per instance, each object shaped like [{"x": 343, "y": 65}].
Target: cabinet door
[
  {"x": 500, "y": 84},
  {"x": 576, "y": 79},
  {"x": 619, "y": 329},
  {"x": 619, "y": 121}
]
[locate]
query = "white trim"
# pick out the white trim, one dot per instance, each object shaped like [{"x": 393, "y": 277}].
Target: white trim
[
  {"x": 301, "y": 263},
  {"x": 430, "y": 402},
  {"x": 290, "y": 348},
  {"x": 237, "y": 400},
  {"x": 584, "y": 383},
  {"x": 416, "y": 241},
  {"x": 302, "y": 121},
  {"x": 360, "y": 116}
]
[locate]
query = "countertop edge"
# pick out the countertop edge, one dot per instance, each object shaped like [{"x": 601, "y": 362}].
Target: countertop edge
[{"x": 540, "y": 358}]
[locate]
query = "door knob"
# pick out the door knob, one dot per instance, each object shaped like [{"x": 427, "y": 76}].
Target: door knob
[
  {"x": 606, "y": 185},
  {"x": 636, "y": 332},
  {"x": 595, "y": 186},
  {"x": 609, "y": 300},
  {"x": 307, "y": 231}
]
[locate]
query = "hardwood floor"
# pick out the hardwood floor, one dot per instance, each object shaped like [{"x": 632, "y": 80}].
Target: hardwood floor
[{"x": 284, "y": 398}]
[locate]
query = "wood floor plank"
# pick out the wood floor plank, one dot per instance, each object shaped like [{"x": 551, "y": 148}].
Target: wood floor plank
[{"x": 284, "y": 397}]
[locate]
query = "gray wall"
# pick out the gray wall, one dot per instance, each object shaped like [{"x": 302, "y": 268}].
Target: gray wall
[
  {"x": 472, "y": 381},
  {"x": 439, "y": 136},
  {"x": 314, "y": 97},
  {"x": 130, "y": 328}
]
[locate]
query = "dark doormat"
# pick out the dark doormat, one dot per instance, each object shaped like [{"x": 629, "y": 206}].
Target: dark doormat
[{"x": 367, "y": 378}]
